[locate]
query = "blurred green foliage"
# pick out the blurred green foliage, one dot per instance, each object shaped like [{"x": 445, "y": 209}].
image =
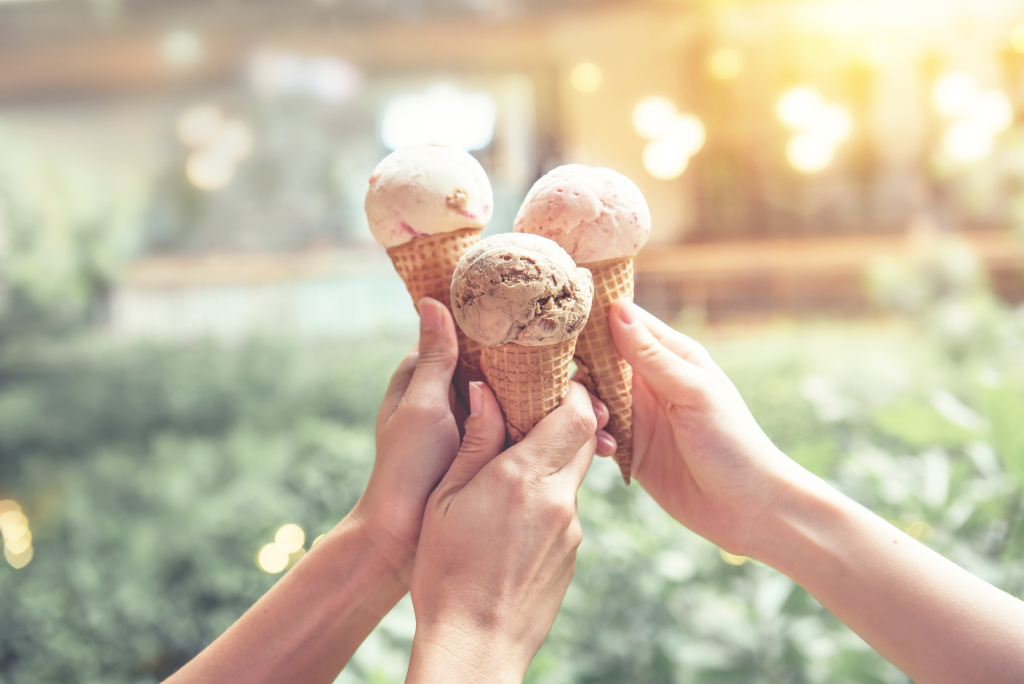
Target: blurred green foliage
[
  {"x": 153, "y": 474},
  {"x": 66, "y": 225}
]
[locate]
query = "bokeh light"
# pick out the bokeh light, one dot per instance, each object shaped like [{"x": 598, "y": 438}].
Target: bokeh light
[
  {"x": 653, "y": 115},
  {"x": 1017, "y": 37},
  {"x": 12, "y": 520},
  {"x": 18, "y": 560},
  {"x": 686, "y": 133},
  {"x": 219, "y": 143},
  {"x": 966, "y": 141},
  {"x": 726, "y": 64},
  {"x": 798, "y": 107},
  {"x": 200, "y": 125},
  {"x": 209, "y": 169},
  {"x": 833, "y": 123},
  {"x": 586, "y": 77},
  {"x": 676, "y": 137},
  {"x": 19, "y": 544},
  {"x": 16, "y": 534},
  {"x": 664, "y": 160},
  {"x": 977, "y": 116},
  {"x": 272, "y": 558},
  {"x": 443, "y": 115},
  {"x": 810, "y": 152},
  {"x": 819, "y": 127},
  {"x": 181, "y": 48},
  {"x": 290, "y": 538},
  {"x": 954, "y": 93},
  {"x": 992, "y": 110},
  {"x": 317, "y": 540},
  {"x": 732, "y": 559}
]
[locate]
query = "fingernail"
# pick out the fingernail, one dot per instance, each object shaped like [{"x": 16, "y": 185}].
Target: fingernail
[
  {"x": 476, "y": 399},
  {"x": 430, "y": 315},
  {"x": 627, "y": 314},
  {"x": 605, "y": 443}
]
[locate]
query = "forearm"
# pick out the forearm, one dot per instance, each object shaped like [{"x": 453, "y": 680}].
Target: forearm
[
  {"x": 929, "y": 617},
  {"x": 310, "y": 623}
]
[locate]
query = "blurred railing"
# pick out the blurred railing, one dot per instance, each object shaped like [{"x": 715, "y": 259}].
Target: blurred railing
[{"x": 357, "y": 294}]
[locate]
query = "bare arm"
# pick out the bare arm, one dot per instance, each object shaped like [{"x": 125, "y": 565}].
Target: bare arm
[
  {"x": 702, "y": 456},
  {"x": 926, "y": 615},
  {"x": 305, "y": 629},
  {"x": 310, "y": 623}
]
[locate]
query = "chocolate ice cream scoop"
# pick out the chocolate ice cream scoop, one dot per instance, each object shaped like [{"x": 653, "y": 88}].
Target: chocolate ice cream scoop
[{"x": 516, "y": 288}]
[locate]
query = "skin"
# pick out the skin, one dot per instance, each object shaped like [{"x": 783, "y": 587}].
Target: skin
[
  {"x": 306, "y": 628},
  {"x": 498, "y": 547},
  {"x": 700, "y": 454}
]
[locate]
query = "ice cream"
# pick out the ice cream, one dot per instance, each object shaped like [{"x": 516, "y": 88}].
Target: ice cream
[
  {"x": 525, "y": 301},
  {"x": 520, "y": 289},
  {"x": 420, "y": 191},
  {"x": 595, "y": 214},
  {"x": 602, "y": 220},
  {"x": 426, "y": 205}
]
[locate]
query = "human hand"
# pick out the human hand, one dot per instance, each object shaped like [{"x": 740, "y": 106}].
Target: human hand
[
  {"x": 417, "y": 438},
  {"x": 498, "y": 546},
  {"x": 697, "y": 449}
]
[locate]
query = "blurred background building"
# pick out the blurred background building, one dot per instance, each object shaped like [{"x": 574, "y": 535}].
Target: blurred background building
[{"x": 781, "y": 145}]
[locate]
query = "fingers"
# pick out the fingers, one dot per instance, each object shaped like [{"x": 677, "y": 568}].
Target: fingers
[
  {"x": 485, "y": 438},
  {"x": 606, "y": 444},
  {"x": 682, "y": 345},
  {"x": 438, "y": 353},
  {"x": 662, "y": 369},
  {"x": 605, "y": 441},
  {"x": 398, "y": 384},
  {"x": 562, "y": 436}
]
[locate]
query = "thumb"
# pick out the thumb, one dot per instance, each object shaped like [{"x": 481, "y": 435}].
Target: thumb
[
  {"x": 438, "y": 352},
  {"x": 485, "y": 439},
  {"x": 662, "y": 369}
]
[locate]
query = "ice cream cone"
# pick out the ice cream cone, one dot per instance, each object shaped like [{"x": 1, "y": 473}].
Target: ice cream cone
[
  {"x": 426, "y": 264},
  {"x": 528, "y": 382},
  {"x": 601, "y": 369}
]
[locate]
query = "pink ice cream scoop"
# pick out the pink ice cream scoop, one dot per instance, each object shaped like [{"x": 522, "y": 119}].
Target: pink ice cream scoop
[
  {"x": 425, "y": 190},
  {"x": 593, "y": 213}
]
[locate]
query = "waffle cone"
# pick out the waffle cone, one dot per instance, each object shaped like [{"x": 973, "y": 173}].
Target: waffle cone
[
  {"x": 528, "y": 382},
  {"x": 426, "y": 265},
  {"x": 601, "y": 369}
]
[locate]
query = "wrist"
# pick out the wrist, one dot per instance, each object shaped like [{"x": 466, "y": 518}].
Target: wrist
[
  {"x": 801, "y": 518},
  {"x": 392, "y": 547},
  {"x": 447, "y": 653}
]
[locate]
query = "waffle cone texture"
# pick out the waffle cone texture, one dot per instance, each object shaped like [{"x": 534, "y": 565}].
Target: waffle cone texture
[
  {"x": 426, "y": 265},
  {"x": 601, "y": 369},
  {"x": 528, "y": 382}
]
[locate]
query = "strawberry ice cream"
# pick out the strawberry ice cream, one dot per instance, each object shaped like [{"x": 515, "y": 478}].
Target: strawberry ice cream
[
  {"x": 425, "y": 190},
  {"x": 593, "y": 213}
]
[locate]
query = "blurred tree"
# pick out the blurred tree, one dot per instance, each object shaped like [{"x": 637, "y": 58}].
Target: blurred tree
[{"x": 65, "y": 227}]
